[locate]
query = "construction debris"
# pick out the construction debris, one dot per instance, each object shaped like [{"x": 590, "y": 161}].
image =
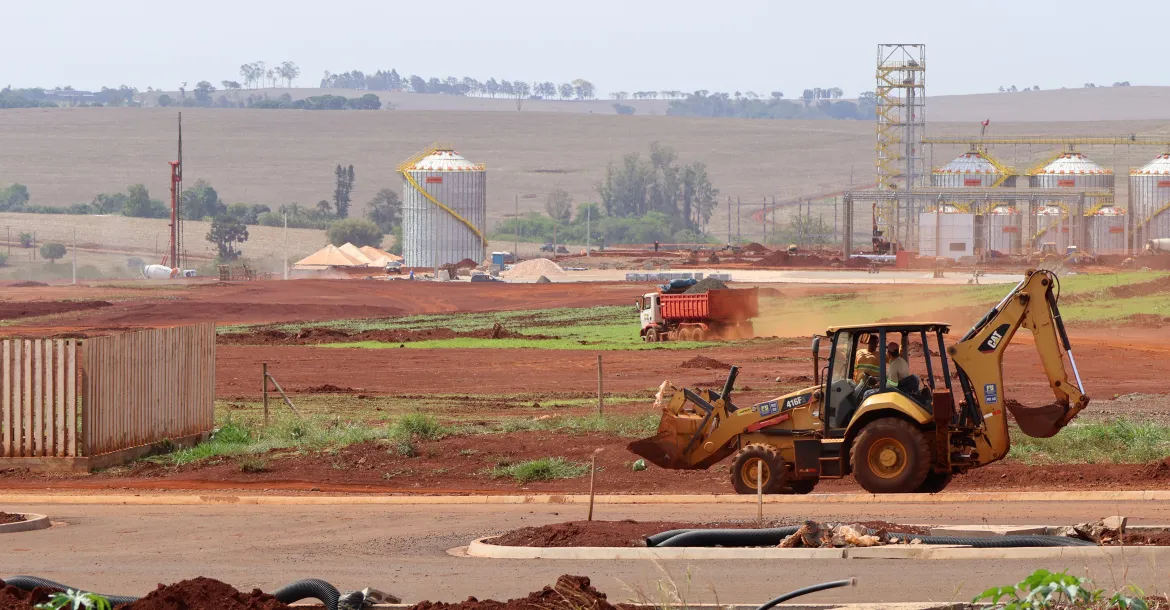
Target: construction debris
[
  {"x": 1101, "y": 531},
  {"x": 813, "y": 535}
]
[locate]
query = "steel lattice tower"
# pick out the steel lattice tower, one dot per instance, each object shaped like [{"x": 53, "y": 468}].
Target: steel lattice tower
[{"x": 901, "y": 126}]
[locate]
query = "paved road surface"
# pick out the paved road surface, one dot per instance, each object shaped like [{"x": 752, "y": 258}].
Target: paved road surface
[{"x": 403, "y": 549}]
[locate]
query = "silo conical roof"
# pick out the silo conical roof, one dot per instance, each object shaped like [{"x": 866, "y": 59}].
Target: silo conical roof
[
  {"x": 969, "y": 163},
  {"x": 1160, "y": 166},
  {"x": 444, "y": 161},
  {"x": 1073, "y": 163}
]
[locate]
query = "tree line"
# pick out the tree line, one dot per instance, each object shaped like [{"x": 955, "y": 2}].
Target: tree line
[
  {"x": 578, "y": 89},
  {"x": 813, "y": 104}
]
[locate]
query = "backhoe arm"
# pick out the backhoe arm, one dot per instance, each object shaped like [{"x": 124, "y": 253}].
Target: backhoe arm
[{"x": 979, "y": 360}]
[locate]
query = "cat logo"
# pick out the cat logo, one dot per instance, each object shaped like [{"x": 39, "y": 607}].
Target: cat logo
[{"x": 993, "y": 339}]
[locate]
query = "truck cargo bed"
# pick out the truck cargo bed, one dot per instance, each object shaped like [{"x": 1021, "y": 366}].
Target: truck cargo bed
[{"x": 728, "y": 306}]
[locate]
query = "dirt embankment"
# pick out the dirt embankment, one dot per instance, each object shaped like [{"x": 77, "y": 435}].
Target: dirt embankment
[
  {"x": 317, "y": 335},
  {"x": 569, "y": 593},
  {"x": 195, "y": 594},
  {"x": 11, "y": 310}
]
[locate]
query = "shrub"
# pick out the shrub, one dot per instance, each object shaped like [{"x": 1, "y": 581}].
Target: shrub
[
  {"x": 356, "y": 231},
  {"x": 544, "y": 469}
]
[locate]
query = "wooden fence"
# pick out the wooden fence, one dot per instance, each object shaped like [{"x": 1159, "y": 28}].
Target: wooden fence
[
  {"x": 102, "y": 400},
  {"x": 38, "y": 410}
]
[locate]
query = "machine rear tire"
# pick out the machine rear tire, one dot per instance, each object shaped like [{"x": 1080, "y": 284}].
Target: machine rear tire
[
  {"x": 935, "y": 482},
  {"x": 890, "y": 456},
  {"x": 743, "y": 469}
]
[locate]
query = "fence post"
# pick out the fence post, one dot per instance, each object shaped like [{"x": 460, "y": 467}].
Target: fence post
[
  {"x": 265, "y": 388},
  {"x": 600, "y": 389},
  {"x": 592, "y": 476}
]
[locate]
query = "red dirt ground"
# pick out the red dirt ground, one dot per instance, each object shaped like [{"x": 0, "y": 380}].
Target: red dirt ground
[
  {"x": 195, "y": 594},
  {"x": 569, "y": 593},
  {"x": 304, "y": 300},
  {"x": 12, "y": 310},
  {"x": 463, "y": 464}
]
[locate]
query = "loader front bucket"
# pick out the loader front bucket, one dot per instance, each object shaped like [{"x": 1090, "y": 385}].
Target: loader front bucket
[
  {"x": 1039, "y": 422},
  {"x": 668, "y": 448},
  {"x": 659, "y": 449}
]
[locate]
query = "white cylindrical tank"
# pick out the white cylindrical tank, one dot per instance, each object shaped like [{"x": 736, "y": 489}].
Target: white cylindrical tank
[
  {"x": 1004, "y": 226},
  {"x": 956, "y": 234},
  {"x": 158, "y": 272},
  {"x": 1158, "y": 245},
  {"x": 431, "y": 234},
  {"x": 1149, "y": 190},
  {"x": 1105, "y": 231},
  {"x": 1052, "y": 226}
]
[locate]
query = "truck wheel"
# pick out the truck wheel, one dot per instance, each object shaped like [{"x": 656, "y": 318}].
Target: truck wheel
[
  {"x": 651, "y": 335},
  {"x": 758, "y": 456},
  {"x": 935, "y": 482},
  {"x": 890, "y": 456},
  {"x": 700, "y": 335}
]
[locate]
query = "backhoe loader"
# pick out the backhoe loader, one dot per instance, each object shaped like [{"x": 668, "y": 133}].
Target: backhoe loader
[{"x": 909, "y": 436}]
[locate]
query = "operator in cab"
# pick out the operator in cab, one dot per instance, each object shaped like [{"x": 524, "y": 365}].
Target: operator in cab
[
  {"x": 866, "y": 363},
  {"x": 898, "y": 371}
]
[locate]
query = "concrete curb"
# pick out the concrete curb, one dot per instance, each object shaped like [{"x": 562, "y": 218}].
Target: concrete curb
[
  {"x": 481, "y": 549},
  {"x": 323, "y": 500},
  {"x": 32, "y": 521}
]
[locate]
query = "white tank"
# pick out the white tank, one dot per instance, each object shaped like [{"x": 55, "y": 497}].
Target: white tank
[
  {"x": 1105, "y": 231},
  {"x": 158, "y": 272},
  {"x": 1004, "y": 224},
  {"x": 1149, "y": 191}
]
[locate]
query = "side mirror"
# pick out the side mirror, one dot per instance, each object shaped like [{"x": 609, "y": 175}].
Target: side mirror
[{"x": 816, "y": 357}]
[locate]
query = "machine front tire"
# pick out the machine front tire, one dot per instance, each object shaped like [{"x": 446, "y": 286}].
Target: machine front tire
[
  {"x": 890, "y": 456},
  {"x": 755, "y": 455},
  {"x": 935, "y": 482},
  {"x": 651, "y": 335}
]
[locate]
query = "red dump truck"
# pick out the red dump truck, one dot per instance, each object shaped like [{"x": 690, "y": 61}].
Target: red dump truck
[{"x": 723, "y": 314}]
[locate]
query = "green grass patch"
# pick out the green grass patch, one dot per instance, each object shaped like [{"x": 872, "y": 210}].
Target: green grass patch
[
  {"x": 1119, "y": 441},
  {"x": 544, "y": 469},
  {"x": 419, "y": 425},
  {"x": 628, "y": 426}
]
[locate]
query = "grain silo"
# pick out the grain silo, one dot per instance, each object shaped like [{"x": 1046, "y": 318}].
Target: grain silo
[
  {"x": 972, "y": 169},
  {"x": 947, "y": 232},
  {"x": 1078, "y": 173},
  {"x": 444, "y": 208},
  {"x": 1004, "y": 225},
  {"x": 1149, "y": 193},
  {"x": 1105, "y": 230}
]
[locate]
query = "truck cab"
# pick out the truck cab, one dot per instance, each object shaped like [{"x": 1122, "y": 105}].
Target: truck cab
[{"x": 650, "y": 311}]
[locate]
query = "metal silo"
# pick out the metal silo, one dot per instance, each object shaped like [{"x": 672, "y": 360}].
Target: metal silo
[
  {"x": 1105, "y": 231},
  {"x": 971, "y": 169},
  {"x": 444, "y": 208},
  {"x": 1149, "y": 192},
  {"x": 1076, "y": 172},
  {"x": 1004, "y": 226}
]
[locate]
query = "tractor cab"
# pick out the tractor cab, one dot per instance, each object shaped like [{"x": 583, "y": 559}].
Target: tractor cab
[{"x": 905, "y": 359}]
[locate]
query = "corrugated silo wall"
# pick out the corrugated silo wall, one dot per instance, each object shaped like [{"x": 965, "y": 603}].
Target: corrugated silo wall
[
  {"x": 1105, "y": 234},
  {"x": 430, "y": 232},
  {"x": 1058, "y": 230},
  {"x": 1150, "y": 193}
]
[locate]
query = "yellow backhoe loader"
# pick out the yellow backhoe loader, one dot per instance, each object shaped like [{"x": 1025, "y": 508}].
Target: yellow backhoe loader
[{"x": 908, "y": 436}]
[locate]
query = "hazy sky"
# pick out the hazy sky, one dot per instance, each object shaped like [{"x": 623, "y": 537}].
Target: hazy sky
[{"x": 747, "y": 45}]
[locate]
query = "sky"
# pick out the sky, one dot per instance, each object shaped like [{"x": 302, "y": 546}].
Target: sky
[{"x": 630, "y": 45}]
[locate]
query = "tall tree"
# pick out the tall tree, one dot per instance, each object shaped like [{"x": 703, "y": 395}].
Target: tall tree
[
  {"x": 227, "y": 231},
  {"x": 289, "y": 71},
  {"x": 342, "y": 190},
  {"x": 559, "y": 205},
  {"x": 565, "y": 90},
  {"x": 385, "y": 210}
]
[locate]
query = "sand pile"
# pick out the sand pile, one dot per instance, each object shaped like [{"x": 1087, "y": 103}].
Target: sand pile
[
  {"x": 205, "y": 594},
  {"x": 706, "y": 284},
  {"x": 703, "y": 362},
  {"x": 533, "y": 269}
]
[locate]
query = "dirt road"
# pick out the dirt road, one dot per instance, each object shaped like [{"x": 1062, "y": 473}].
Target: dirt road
[{"x": 402, "y": 549}]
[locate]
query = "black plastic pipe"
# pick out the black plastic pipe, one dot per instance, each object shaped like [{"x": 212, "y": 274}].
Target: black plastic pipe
[
  {"x": 773, "y": 536},
  {"x": 852, "y": 582},
  {"x": 309, "y": 588},
  {"x": 28, "y": 583},
  {"x": 654, "y": 539}
]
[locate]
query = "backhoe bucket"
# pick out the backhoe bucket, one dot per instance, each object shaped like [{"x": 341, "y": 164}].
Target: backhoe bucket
[
  {"x": 1039, "y": 422},
  {"x": 666, "y": 449},
  {"x": 658, "y": 449}
]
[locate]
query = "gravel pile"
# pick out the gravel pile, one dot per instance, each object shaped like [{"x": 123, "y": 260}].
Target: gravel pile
[
  {"x": 533, "y": 269},
  {"x": 706, "y": 284}
]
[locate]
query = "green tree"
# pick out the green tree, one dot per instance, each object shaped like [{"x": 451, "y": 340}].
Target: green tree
[
  {"x": 698, "y": 195},
  {"x": 385, "y": 210},
  {"x": 230, "y": 85},
  {"x": 200, "y": 201},
  {"x": 165, "y": 100},
  {"x": 14, "y": 197},
  {"x": 356, "y": 231},
  {"x": 342, "y": 190},
  {"x": 3, "y": 259},
  {"x": 559, "y": 205},
  {"x": 26, "y": 240},
  {"x": 288, "y": 71},
  {"x": 203, "y": 91},
  {"x": 225, "y": 233},
  {"x": 52, "y": 251},
  {"x": 140, "y": 205}
]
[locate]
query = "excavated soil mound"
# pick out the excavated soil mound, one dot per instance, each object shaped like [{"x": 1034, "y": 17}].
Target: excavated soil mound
[
  {"x": 754, "y": 248},
  {"x": 13, "y": 311},
  {"x": 778, "y": 258},
  {"x": 703, "y": 362},
  {"x": 317, "y": 335},
  {"x": 1128, "y": 291},
  {"x": 466, "y": 263},
  {"x": 12, "y": 598},
  {"x": 204, "y": 594},
  {"x": 28, "y": 284},
  {"x": 533, "y": 269},
  {"x": 706, "y": 284},
  {"x": 570, "y": 593},
  {"x": 630, "y": 533},
  {"x": 327, "y": 388},
  {"x": 10, "y": 518}
]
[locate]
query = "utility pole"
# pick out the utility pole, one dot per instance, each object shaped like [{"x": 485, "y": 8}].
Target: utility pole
[
  {"x": 729, "y": 220},
  {"x": 75, "y": 255},
  {"x": 286, "y": 244},
  {"x": 516, "y": 233},
  {"x": 738, "y": 220},
  {"x": 588, "y": 235},
  {"x": 834, "y": 219}
]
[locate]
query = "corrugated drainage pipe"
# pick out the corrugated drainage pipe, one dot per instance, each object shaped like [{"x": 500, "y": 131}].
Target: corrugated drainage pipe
[{"x": 310, "y": 588}]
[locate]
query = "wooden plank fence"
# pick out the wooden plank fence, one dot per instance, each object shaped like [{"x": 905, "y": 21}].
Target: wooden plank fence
[
  {"x": 111, "y": 396},
  {"x": 38, "y": 408},
  {"x": 144, "y": 387}
]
